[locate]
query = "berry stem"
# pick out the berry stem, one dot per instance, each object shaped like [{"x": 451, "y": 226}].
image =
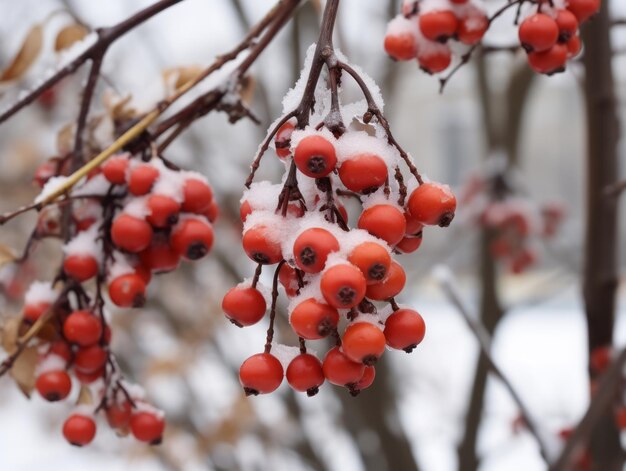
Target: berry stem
[{"x": 270, "y": 329}]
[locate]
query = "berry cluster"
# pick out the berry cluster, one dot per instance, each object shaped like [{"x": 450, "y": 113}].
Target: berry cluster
[
  {"x": 337, "y": 277},
  {"x": 550, "y": 36},
  {"x": 425, "y": 29},
  {"x": 514, "y": 221},
  {"x": 131, "y": 219}
]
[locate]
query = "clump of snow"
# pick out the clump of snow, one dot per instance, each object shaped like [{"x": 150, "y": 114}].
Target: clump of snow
[
  {"x": 137, "y": 207},
  {"x": 40, "y": 292},
  {"x": 50, "y": 363},
  {"x": 97, "y": 185},
  {"x": 85, "y": 243},
  {"x": 120, "y": 266},
  {"x": 356, "y": 143},
  {"x": 51, "y": 187},
  {"x": 284, "y": 353}
]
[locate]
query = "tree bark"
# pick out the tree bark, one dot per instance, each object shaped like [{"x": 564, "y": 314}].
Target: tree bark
[{"x": 601, "y": 255}]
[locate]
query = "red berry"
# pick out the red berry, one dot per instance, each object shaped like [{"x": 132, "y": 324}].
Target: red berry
[
  {"x": 583, "y": 9},
  {"x": 44, "y": 172},
  {"x": 313, "y": 320},
  {"x": 433, "y": 204},
  {"x": 163, "y": 210},
  {"x": 573, "y": 46},
  {"x": 245, "y": 210},
  {"x": 289, "y": 279},
  {"x": 305, "y": 374},
  {"x": 438, "y": 25},
  {"x": 372, "y": 259},
  {"x": 343, "y": 286},
  {"x": 260, "y": 374},
  {"x": 404, "y": 329},
  {"x": 33, "y": 311},
  {"x": 82, "y": 328},
  {"x": 212, "y": 212},
  {"x": 363, "y": 342},
  {"x": 409, "y": 244},
  {"x": 61, "y": 348},
  {"x": 244, "y": 306},
  {"x": 81, "y": 267},
  {"x": 130, "y": 233},
  {"x": 391, "y": 286},
  {"x": 401, "y": 44},
  {"x": 118, "y": 414},
  {"x": 567, "y": 23},
  {"x": 366, "y": 380},
  {"x": 141, "y": 179},
  {"x": 282, "y": 140},
  {"x": 538, "y": 32},
  {"x": 434, "y": 58},
  {"x": 363, "y": 172},
  {"x": 385, "y": 222},
  {"x": 160, "y": 257},
  {"x": 340, "y": 370},
  {"x": 312, "y": 247},
  {"x": 79, "y": 429},
  {"x": 128, "y": 290},
  {"x": 192, "y": 238},
  {"x": 114, "y": 170},
  {"x": 315, "y": 156},
  {"x": 197, "y": 196},
  {"x": 549, "y": 62},
  {"x": 54, "y": 385},
  {"x": 600, "y": 359},
  {"x": 261, "y": 247},
  {"x": 147, "y": 427},
  {"x": 89, "y": 377},
  {"x": 90, "y": 359},
  {"x": 472, "y": 28}
]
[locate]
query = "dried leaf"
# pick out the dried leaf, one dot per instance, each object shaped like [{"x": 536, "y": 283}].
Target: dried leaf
[
  {"x": 176, "y": 77},
  {"x": 6, "y": 255},
  {"x": 23, "y": 371},
  {"x": 65, "y": 139},
  {"x": 117, "y": 107},
  {"x": 69, "y": 35},
  {"x": 84, "y": 397},
  {"x": 248, "y": 86},
  {"x": 31, "y": 47},
  {"x": 10, "y": 334}
]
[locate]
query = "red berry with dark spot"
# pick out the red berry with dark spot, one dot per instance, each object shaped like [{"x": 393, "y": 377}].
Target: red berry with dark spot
[
  {"x": 192, "y": 238},
  {"x": 261, "y": 374},
  {"x": 54, "y": 385},
  {"x": 162, "y": 211},
  {"x": 261, "y": 247},
  {"x": 313, "y": 320},
  {"x": 82, "y": 328},
  {"x": 128, "y": 290},
  {"x": 315, "y": 156},
  {"x": 244, "y": 306},
  {"x": 147, "y": 427},
  {"x": 305, "y": 374},
  {"x": 130, "y": 233},
  {"x": 340, "y": 370},
  {"x": 312, "y": 247},
  {"x": 404, "y": 329},
  {"x": 363, "y": 343},
  {"x": 79, "y": 429},
  {"x": 432, "y": 204},
  {"x": 343, "y": 286}
]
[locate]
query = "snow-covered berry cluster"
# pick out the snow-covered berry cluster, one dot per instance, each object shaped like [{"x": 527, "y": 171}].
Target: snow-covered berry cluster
[
  {"x": 130, "y": 219},
  {"x": 431, "y": 31},
  {"x": 426, "y": 30},
  {"x": 338, "y": 270},
  {"x": 516, "y": 222},
  {"x": 550, "y": 36}
]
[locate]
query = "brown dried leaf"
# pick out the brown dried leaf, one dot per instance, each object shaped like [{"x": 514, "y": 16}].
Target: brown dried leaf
[
  {"x": 117, "y": 107},
  {"x": 65, "y": 139},
  {"x": 85, "y": 397},
  {"x": 176, "y": 77},
  {"x": 248, "y": 86},
  {"x": 6, "y": 255},
  {"x": 31, "y": 47},
  {"x": 23, "y": 371},
  {"x": 10, "y": 334},
  {"x": 69, "y": 35}
]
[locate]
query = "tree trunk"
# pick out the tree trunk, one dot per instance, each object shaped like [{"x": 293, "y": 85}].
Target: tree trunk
[{"x": 600, "y": 273}]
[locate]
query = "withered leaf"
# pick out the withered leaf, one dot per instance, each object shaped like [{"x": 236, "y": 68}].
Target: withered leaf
[
  {"x": 6, "y": 255},
  {"x": 65, "y": 139},
  {"x": 176, "y": 77},
  {"x": 69, "y": 35},
  {"x": 10, "y": 333},
  {"x": 248, "y": 86},
  {"x": 23, "y": 371},
  {"x": 85, "y": 397},
  {"x": 31, "y": 47}
]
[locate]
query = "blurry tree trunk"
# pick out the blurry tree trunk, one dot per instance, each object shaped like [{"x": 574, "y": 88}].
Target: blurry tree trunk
[
  {"x": 375, "y": 412},
  {"x": 600, "y": 273},
  {"x": 497, "y": 137}
]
